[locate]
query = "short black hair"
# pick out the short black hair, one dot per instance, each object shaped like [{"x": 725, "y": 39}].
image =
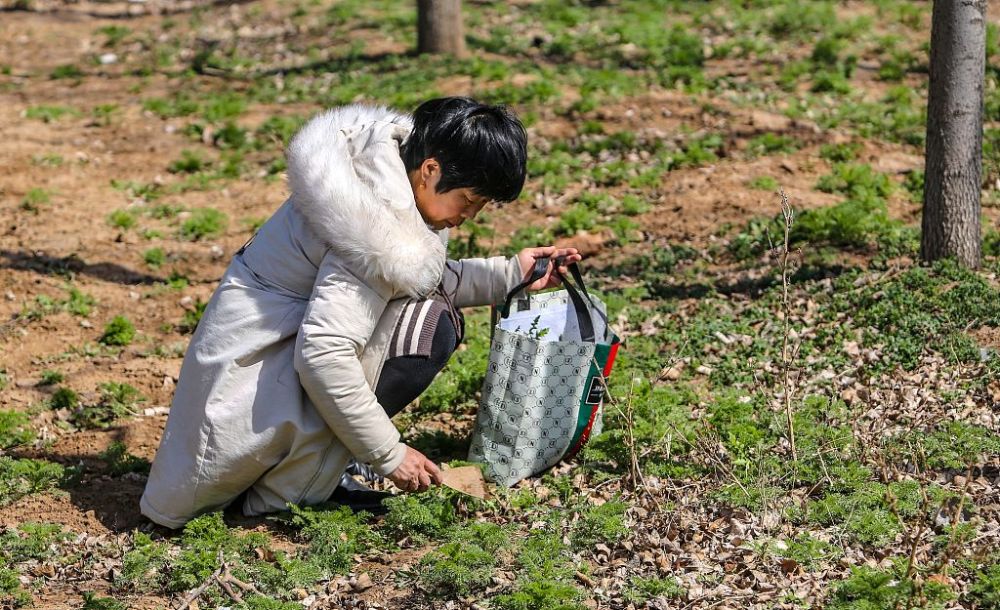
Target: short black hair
[{"x": 478, "y": 146}]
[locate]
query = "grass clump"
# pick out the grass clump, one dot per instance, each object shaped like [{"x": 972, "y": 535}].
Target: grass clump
[
  {"x": 545, "y": 577},
  {"x": 809, "y": 552},
  {"x": 154, "y": 257},
  {"x": 14, "y": 429},
  {"x": 464, "y": 564},
  {"x": 764, "y": 183},
  {"x": 856, "y": 180},
  {"x": 873, "y": 513},
  {"x": 168, "y": 108},
  {"x": 51, "y": 377},
  {"x": 117, "y": 400},
  {"x": 913, "y": 182},
  {"x": 30, "y": 542},
  {"x": 114, "y": 34},
  {"x": 78, "y": 303},
  {"x": 119, "y": 461},
  {"x": 604, "y": 523},
  {"x": 34, "y": 199},
  {"x": 577, "y": 218},
  {"x": 853, "y": 223},
  {"x": 335, "y": 536},
  {"x": 541, "y": 595},
  {"x": 955, "y": 445},
  {"x": 191, "y": 318},
  {"x": 278, "y": 130},
  {"x": 92, "y": 602},
  {"x": 203, "y": 541},
  {"x": 66, "y": 71},
  {"x": 426, "y": 516},
  {"x": 985, "y": 588},
  {"x": 769, "y": 144},
  {"x": 868, "y": 588},
  {"x": 922, "y": 309},
  {"x": 143, "y": 565},
  {"x": 840, "y": 153},
  {"x": 64, "y": 398},
  {"x": 203, "y": 222},
  {"x": 118, "y": 332},
  {"x": 21, "y": 477},
  {"x": 642, "y": 589},
  {"x": 12, "y": 594},
  {"x": 47, "y": 114},
  {"x": 189, "y": 163}
]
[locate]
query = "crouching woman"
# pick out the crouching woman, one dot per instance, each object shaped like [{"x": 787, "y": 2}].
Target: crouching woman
[{"x": 340, "y": 312}]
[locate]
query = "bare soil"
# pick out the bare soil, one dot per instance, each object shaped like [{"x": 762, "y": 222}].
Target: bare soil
[{"x": 70, "y": 238}]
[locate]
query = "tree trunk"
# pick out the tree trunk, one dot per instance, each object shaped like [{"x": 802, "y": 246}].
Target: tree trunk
[
  {"x": 951, "y": 225},
  {"x": 439, "y": 27}
]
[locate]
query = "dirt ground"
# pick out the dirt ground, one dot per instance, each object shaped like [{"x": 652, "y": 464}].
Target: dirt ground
[{"x": 70, "y": 237}]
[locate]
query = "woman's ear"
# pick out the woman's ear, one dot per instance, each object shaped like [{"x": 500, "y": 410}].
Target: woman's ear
[{"x": 430, "y": 172}]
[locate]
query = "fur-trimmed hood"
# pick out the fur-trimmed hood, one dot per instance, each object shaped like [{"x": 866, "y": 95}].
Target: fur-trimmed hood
[{"x": 349, "y": 182}]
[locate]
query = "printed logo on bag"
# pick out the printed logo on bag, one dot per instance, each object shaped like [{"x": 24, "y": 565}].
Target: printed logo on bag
[{"x": 595, "y": 394}]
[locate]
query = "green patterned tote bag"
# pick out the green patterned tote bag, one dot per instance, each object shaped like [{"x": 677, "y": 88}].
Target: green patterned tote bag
[{"x": 544, "y": 389}]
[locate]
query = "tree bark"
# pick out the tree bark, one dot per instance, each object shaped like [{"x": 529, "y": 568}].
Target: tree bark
[
  {"x": 439, "y": 27},
  {"x": 952, "y": 178}
]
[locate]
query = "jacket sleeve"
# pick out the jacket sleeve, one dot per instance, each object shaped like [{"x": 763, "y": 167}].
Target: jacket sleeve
[
  {"x": 481, "y": 281},
  {"x": 342, "y": 313}
]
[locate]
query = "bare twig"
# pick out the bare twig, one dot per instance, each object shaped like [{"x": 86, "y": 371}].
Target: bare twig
[{"x": 787, "y": 215}]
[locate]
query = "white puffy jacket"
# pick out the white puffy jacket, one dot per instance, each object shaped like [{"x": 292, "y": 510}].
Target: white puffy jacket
[{"x": 276, "y": 392}]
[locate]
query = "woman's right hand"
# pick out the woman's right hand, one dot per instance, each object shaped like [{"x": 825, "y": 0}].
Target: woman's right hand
[{"x": 416, "y": 472}]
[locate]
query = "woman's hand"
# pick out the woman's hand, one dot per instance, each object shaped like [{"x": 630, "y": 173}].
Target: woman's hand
[
  {"x": 416, "y": 472},
  {"x": 527, "y": 257}
]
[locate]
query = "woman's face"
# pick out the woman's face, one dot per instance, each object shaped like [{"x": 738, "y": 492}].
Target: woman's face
[{"x": 442, "y": 210}]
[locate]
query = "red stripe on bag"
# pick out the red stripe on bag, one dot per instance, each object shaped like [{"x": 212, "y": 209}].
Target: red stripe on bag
[
  {"x": 584, "y": 435},
  {"x": 611, "y": 359}
]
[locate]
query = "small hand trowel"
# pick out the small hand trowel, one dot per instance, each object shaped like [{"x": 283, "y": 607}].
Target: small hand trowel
[{"x": 466, "y": 479}]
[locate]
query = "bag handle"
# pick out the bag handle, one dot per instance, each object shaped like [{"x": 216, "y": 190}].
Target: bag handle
[
  {"x": 574, "y": 270},
  {"x": 537, "y": 273},
  {"x": 579, "y": 305}
]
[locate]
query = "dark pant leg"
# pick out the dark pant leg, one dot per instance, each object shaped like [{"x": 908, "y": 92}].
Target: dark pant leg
[{"x": 405, "y": 377}]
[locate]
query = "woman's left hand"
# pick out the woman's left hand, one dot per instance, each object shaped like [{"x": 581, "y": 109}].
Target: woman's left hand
[{"x": 527, "y": 257}]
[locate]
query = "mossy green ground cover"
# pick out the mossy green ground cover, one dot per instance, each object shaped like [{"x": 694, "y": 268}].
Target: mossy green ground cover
[{"x": 837, "y": 448}]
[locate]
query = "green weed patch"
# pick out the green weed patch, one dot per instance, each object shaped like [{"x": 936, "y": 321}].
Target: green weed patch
[
  {"x": 119, "y": 332},
  {"x": 334, "y": 536},
  {"x": 120, "y": 461},
  {"x": 203, "y": 223},
  {"x": 924, "y": 308},
  {"x": 870, "y": 588},
  {"x": 22, "y": 477},
  {"x": 465, "y": 563},
  {"x": 428, "y": 516},
  {"x": 117, "y": 400},
  {"x": 14, "y": 429}
]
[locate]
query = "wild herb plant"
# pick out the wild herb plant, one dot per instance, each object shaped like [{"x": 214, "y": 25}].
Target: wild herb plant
[
  {"x": 15, "y": 429},
  {"x": 118, "y": 332},
  {"x": 119, "y": 461},
  {"x": 203, "y": 223},
  {"x": 21, "y": 477}
]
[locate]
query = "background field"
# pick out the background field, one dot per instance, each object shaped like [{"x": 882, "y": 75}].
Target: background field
[{"x": 142, "y": 145}]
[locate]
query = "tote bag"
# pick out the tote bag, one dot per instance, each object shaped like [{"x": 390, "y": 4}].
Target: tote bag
[{"x": 544, "y": 388}]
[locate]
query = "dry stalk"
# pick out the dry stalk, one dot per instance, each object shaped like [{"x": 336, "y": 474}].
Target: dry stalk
[
  {"x": 788, "y": 216},
  {"x": 635, "y": 479}
]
